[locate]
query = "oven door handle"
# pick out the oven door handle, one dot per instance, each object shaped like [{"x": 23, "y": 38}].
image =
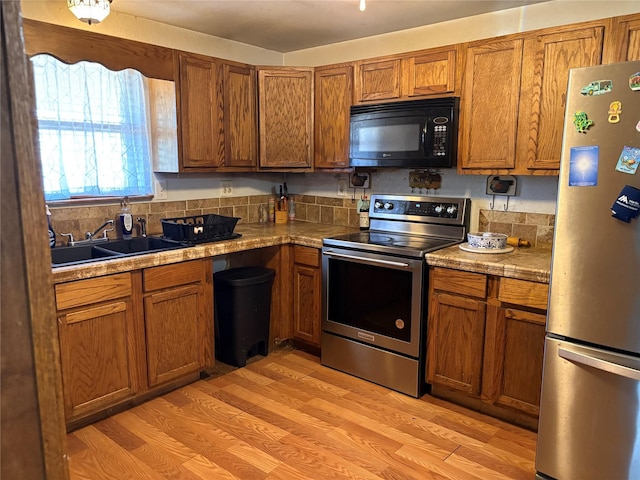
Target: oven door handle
[{"x": 369, "y": 260}]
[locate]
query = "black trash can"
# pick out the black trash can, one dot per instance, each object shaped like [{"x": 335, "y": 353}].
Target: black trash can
[{"x": 242, "y": 298}]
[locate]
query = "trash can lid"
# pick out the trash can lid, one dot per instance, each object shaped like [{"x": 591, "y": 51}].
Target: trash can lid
[{"x": 244, "y": 276}]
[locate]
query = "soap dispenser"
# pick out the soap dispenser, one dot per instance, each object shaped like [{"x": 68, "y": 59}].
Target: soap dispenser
[
  {"x": 52, "y": 234},
  {"x": 124, "y": 221}
]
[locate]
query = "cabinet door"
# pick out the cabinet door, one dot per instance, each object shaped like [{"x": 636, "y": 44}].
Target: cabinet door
[
  {"x": 378, "y": 80},
  {"x": 429, "y": 74},
  {"x": 98, "y": 354},
  {"x": 545, "y": 74},
  {"x": 285, "y": 124},
  {"x": 333, "y": 98},
  {"x": 175, "y": 333},
  {"x": 514, "y": 351},
  {"x": 489, "y": 107},
  {"x": 622, "y": 39},
  {"x": 307, "y": 291},
  {"x": 240, "y": 122},
  {"x": 455, "y": 342},
  {"x": 200, "y": 117}
]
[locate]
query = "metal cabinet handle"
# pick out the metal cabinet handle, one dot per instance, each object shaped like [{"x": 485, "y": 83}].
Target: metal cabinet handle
[
  {"x": 368, "y": 260},
  {"x": 599, "y": 364}
]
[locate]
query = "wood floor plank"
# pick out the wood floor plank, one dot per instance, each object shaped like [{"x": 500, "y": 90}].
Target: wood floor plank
[
  {"x": 287, "y": 417},
  {"x": 154, "y": 437},
  {"x": 106, "y": 459}
]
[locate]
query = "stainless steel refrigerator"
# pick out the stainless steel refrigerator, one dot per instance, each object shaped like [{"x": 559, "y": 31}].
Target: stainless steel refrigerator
[{"x": 589, "y": 427}]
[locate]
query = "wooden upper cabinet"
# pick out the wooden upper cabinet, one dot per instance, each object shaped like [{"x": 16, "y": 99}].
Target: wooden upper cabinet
[
  {"x": 240, "y": 120},
  {"x": 378, "y": 80},
  {"x": 622, "y": 39},
  {"x": 285, "y": 117},
  {"x": 402, "y": 77},
  {"x": 333, "y": 99},
  {"x": 216, "y": 115},
  {"x": 489, "y": 106},
  {"x": 547, "y": 60},
  {"x": 200, "y": 116},
  {"x": 429, "y": 73}
]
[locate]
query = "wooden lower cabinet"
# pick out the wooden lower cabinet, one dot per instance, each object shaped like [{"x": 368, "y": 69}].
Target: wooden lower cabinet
[
  {"x": 307, "y": 294},
  {"x": 98, "y": 344},
  {"x": 125, "y": 335},
  {"x": 175, "y": 320},
  {"x": 456, "y": 342},
  {"x": 485, "y": 342}
]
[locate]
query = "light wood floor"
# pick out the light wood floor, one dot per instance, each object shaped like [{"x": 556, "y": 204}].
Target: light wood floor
[{"x": 286, "y": 417}]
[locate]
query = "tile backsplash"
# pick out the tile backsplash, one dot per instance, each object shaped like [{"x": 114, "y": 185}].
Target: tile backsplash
[
  {"x": 309, "y": 208},
  {"x": 537, "y": 228}
]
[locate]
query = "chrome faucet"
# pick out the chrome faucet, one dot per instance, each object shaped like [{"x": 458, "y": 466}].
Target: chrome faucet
[
  {"x": 89, "y": 236},
  {"x": 143, "y": 226}
]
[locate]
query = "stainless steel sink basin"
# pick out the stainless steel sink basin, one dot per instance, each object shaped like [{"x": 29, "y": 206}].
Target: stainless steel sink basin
[{"x": 112, "y": 249}]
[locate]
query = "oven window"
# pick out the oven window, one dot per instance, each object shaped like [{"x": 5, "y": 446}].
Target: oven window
[{"x": 370, "y": 298}]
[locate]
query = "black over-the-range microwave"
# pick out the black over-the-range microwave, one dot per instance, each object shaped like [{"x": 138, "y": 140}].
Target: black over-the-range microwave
[{"x": 414, "y": 134}]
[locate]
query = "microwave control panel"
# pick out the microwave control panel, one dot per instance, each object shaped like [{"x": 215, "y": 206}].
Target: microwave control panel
[{"x": 440, "y": 128}]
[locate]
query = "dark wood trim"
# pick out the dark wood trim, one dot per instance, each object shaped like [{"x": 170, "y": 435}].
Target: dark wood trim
[
  {"x": 33, "y": 433},
  {"x": 71, "y": 45}
]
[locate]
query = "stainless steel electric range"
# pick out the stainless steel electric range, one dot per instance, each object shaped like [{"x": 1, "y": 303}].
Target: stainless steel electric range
[{"x": 375, "y": 286}]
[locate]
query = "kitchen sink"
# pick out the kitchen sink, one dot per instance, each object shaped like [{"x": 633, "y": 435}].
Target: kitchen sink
[
  {"x": 112, "y": 249},
  {"x": 80, "y": 254},
  {"x": 139, "y": 245}
]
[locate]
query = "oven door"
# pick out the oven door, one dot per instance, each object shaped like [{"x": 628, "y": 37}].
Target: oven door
[{"x": 374, "y": 299}]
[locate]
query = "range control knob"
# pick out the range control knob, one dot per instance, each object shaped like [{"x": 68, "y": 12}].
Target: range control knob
[
  {"x": 451, "y": 209},
  {"x": 388, "y": 206},
  {"x": 439, "y": 208},
  {"x": 377, "y": 204}
]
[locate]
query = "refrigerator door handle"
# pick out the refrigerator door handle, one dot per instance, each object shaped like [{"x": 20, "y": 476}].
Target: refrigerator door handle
[{"x": 599, "y": 363}]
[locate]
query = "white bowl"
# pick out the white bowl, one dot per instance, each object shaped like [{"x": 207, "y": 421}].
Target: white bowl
[{"x": 487, "y": 240}]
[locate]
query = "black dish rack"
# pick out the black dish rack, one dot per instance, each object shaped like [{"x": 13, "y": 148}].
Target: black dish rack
[{"x": 199, "y": 228}]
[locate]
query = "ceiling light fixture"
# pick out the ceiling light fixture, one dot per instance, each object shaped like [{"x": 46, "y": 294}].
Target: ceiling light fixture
[
  {"x": 90, "y": 11},
  {"x": 363, "y": 5}
]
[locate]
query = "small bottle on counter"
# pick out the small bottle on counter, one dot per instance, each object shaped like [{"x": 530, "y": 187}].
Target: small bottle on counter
[
  {"x": 292, "y": 209},
  {"x": 52, "y": 234},
  {"x": 272, "y": 209},
  {"x": 363, "y": 214},
  {"x": 264, "y": 213}
]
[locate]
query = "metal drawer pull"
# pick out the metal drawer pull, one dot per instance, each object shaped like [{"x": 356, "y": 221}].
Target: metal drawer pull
[
  {"x": 368, "y": 260},
  {"x": 600, "y": 364}
]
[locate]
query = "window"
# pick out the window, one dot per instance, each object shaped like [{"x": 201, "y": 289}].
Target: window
[{"x": 93, "y": 129}]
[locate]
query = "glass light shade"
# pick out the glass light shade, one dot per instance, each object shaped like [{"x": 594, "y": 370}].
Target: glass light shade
[{"x": 90, "y": 11}]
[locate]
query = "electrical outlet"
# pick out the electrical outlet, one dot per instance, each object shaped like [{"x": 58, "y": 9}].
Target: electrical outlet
[
  {"x": 226, "y": 188},
  {"x": 342, "y": 187},
  {"x": 160, "y": 190}
]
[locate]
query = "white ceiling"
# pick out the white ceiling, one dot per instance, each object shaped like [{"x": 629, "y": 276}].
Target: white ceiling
[{"x": 289, "y": 25}]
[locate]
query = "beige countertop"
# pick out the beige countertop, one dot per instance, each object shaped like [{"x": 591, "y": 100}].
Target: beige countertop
[
  {"x": 254, "y": 235},
  {"x": 523, "y": 263}
]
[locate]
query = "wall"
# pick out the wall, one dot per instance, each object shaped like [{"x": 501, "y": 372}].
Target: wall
[
  {"x": 535, "y": 194},
  {"x": 514, "y": 20}
]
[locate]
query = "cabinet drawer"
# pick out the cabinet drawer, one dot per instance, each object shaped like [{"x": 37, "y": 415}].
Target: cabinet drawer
[
  {"x": 523, "y": 292},
  {"x": 306, "y": 255},
  {"x": 457, "y": 281},
  {"x": 92, "y": 290},
  {"x": 167, "y": 276}
]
